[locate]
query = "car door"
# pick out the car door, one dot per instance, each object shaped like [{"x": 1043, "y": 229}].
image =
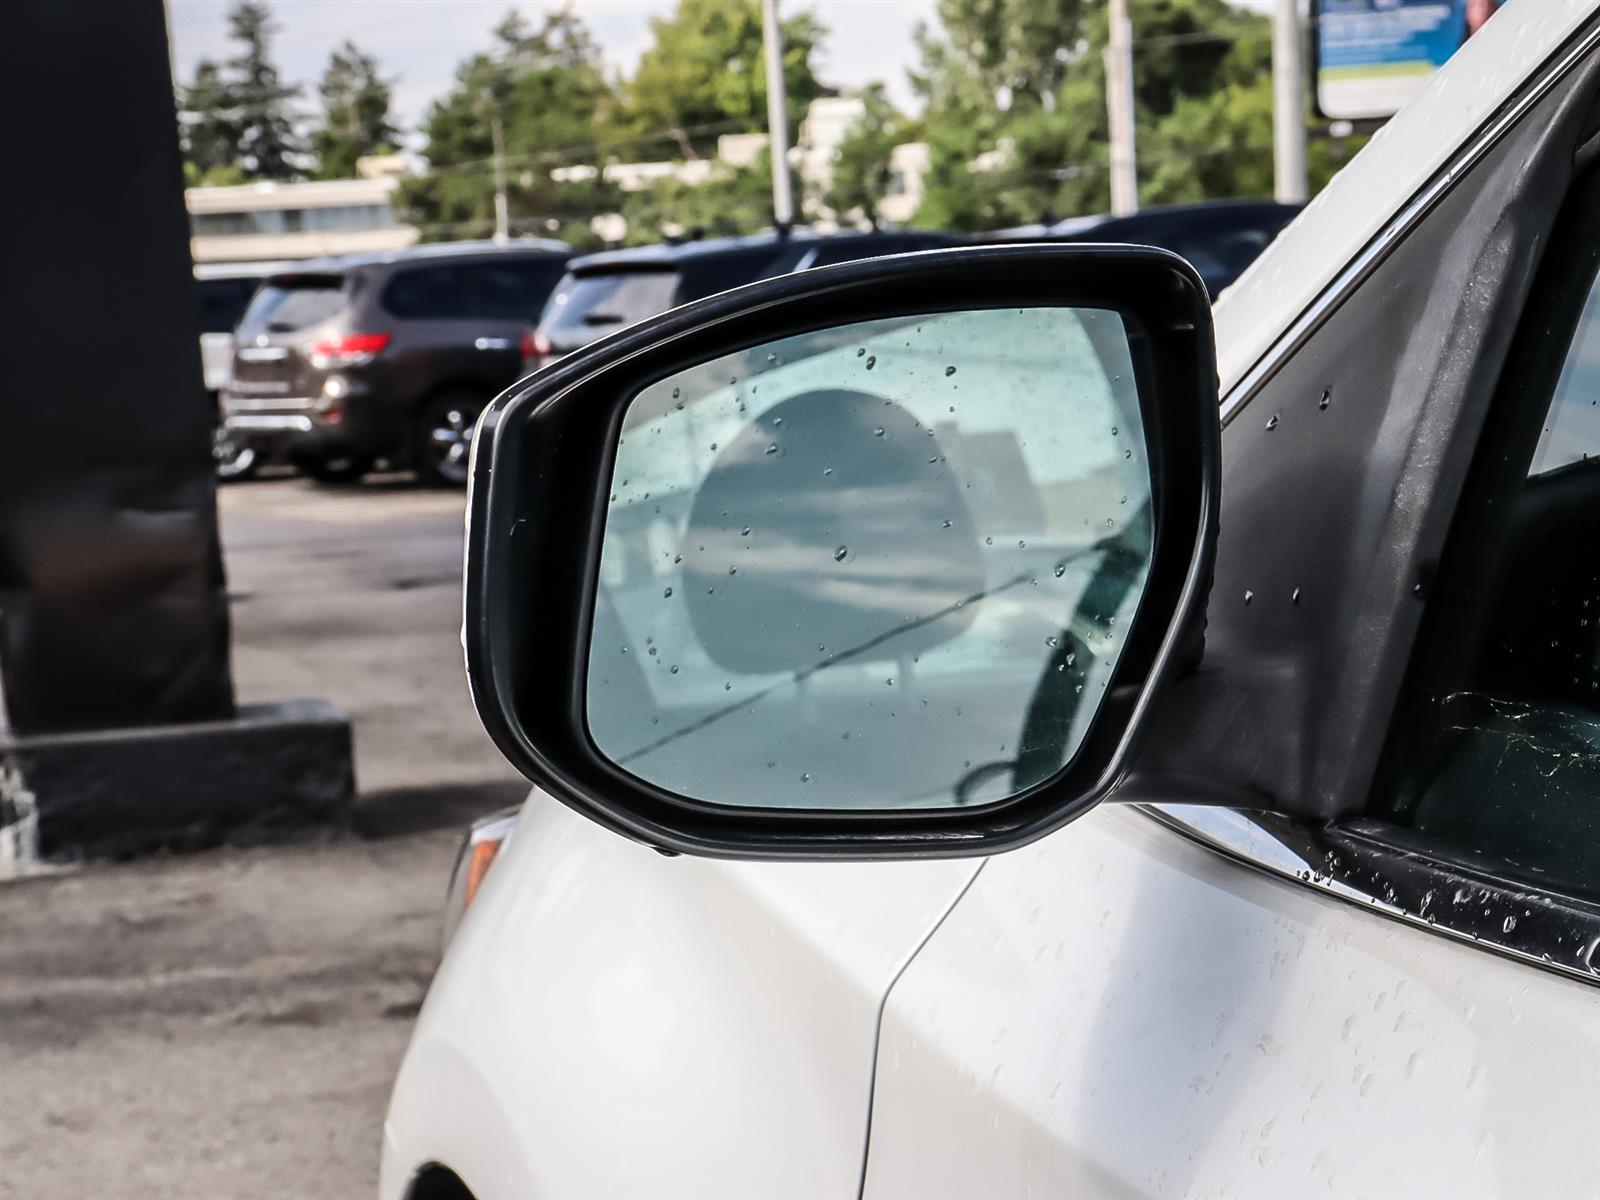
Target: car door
[
  {"x": 1394, "y": 992},
  {"x": 507, "y": 296}
]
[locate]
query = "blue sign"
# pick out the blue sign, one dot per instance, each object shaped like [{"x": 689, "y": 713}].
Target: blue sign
[{"x": 1374, "y": 55}]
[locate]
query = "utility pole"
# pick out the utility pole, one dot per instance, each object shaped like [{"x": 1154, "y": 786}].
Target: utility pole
[
  {"x": 1288, "y": 104},
  {"x": 1120, "y": 112},
  {"x": 777, "y": 116},
  {"x": 502, "y": 218}
]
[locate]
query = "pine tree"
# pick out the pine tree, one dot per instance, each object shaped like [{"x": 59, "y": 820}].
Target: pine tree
[
  {"x": 261, "y": 101},
  {"x": 355, "y": 106}
]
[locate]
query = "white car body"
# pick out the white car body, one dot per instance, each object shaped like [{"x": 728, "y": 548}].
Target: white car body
[{"x": 1140, "y": 1004}]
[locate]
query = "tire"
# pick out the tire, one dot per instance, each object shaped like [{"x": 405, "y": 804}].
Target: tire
[
  {"x": 232, "y": 461},
  {"x": 443, "y": 438},
  {"x": 340, "y": 468}
]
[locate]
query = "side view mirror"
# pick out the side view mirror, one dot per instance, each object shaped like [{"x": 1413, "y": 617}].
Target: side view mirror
[{"x": 880, "y": 560}]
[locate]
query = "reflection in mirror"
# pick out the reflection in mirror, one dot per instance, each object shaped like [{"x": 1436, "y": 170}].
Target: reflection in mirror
[{"x": 882, "y": 566}]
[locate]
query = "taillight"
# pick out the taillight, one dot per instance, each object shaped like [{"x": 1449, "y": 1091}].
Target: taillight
[
  {"x": 535, "y": 347},
  {"x": 350, "y": 350}
]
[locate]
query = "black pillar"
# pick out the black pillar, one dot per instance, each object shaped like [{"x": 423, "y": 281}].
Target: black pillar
[{"x": 113, "y": 615}]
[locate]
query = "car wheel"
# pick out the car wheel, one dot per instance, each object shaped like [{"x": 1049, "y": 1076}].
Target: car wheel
[
  {"x": 232, "y": 460},
  {"x": 339, "y": 468},
  {"x": 444, "y": 438}
]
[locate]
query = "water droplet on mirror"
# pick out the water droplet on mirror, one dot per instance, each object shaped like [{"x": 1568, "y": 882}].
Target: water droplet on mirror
[
  {"x": 1061, "y": 569},
  {"x": 860, "y": 350},
  {"x": 1249, "y": 596},
  {"x": 674, "y": 668},
  {"x": 945, "y": 525},
  {"x": 772, "y": 449},
  {"x": 667, "y": 594},
  {"x": 651, "y": 652},
  {"x": 805, "y": 779},
  {"x": 890, "y": 681},
  {"x": 878, "y": 432},
  {"x": 776, "y": 421},
  {"x": 745, "y": 531},
  {"x": 827, "y": 470},
  {"x": 1127, "y": 454},
  {"x": 1113, "y": 431},
  {"x": 949, "y": 371},
  {"x": 872, "y": 362},
  {"x": 988, "y": 541},
  {"x": 1272, "y": 422},
  {"x": 1327, "y": 399},
  {"x": 733, "y": 570},
  {"x": 1508, "y": 924},
  {"x": 1294, "y": 596},
  {"x": 839, "y": 554}
]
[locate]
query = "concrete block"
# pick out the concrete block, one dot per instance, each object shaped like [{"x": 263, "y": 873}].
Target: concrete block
[{"x": 273, "y": 772}]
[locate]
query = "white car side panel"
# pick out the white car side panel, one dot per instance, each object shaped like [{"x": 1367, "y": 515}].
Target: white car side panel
[
  {"x": 611, "y": 1022},
  {"x": 1117, "y": 1011},
  {"x": 1407, "y": 152}
]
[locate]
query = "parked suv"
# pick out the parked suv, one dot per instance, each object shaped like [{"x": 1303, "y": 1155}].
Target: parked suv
[
  {"x": 345, "y": 361},
  {"x": 1220, "y": 238},
  {"x": 222, "y": 292},
  {"x": 604, "y": 292}
]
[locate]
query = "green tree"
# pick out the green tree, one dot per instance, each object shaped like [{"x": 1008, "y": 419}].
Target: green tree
[
  {"x": 704, "y": 74},
  {"x": 205, "y": 122},
  {"x": 355, "y": 113},
  {"x": 732, "y": 201},
  {"x": 1202, "y": 95},
  {"x": 861, "y": 169},
  {"x": 260, "y": 102},
  {"x": 543, "y": 85}
]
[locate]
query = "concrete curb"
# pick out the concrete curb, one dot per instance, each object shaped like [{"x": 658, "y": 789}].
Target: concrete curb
[{"x": 274, "y": 772}]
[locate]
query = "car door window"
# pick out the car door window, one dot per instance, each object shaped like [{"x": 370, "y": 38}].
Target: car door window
[
  {"x": 511, "y": 291},
  {"x": 1507, "y": 768},
  {"x": 428, "y": 293}
]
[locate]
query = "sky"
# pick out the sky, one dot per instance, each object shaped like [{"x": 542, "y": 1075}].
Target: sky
[{"x": 420, "y": 42}]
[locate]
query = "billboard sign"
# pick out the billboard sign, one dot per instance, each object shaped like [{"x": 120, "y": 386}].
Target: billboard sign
[{"x": 1374, "y": 55}]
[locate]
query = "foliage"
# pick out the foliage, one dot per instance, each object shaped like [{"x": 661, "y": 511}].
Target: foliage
[
  {"x": 731, "y": 201},
  {"x": 236, "y": 119},
  {"x": 861, "y": 168},
  {"x": 260, "y": 101},
  {"x": 544, "y": 85},
  {"x": 704, "y": 74},
  {"x": 355, "y": 108},
  {"x": 1024, "y": 99},
  {"x": 210, "y": 141}
]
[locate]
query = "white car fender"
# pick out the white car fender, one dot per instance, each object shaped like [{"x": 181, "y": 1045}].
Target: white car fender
[{"x": 657, "y": 1026}]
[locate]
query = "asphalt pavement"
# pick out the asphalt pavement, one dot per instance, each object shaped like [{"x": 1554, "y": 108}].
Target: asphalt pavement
[{"x": 227, "y": 1024}]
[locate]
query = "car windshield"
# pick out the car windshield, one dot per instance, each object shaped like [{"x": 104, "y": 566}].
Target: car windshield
[
  {"x": 585, "y": 307},
  {"x": 289, "y": 304}
]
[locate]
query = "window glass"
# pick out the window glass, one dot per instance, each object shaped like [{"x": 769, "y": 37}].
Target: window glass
[
  {"x": 512, "y": 291},
  {"x": 223, "y": 302},
  {"x": 586, "y": 307},
  {"x": 285, "y": 306},
  {"x": 1509, "y": 767},
  {"x": 887, "y": 565},
  {"x": 428, "y": 293}
]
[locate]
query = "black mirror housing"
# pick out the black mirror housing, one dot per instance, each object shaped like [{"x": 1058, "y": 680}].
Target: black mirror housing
[{"x": 542, "y": 480}]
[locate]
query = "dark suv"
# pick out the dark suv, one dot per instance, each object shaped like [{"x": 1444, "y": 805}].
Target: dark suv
[
  {"x": 342, "y": 362},
  {"x": 603, "y": 292},
  {"x": 1220, "y": 238}
]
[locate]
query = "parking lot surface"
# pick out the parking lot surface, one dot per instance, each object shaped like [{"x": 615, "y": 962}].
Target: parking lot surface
[{"x": 227, "y": 1024}]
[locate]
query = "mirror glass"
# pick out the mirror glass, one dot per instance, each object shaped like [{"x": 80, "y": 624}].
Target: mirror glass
[{"x": 882, "y": 566}]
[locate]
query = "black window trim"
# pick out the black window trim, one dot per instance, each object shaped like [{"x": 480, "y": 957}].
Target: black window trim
[{"x": 1384, "y": 868}]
